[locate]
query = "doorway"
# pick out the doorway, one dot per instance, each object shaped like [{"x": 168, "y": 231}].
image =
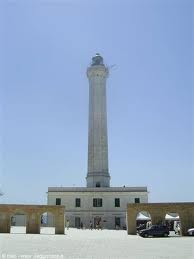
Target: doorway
[
  {"x": 117, "y": 222},
  {"x": 97, "y": 222},
  {"x": 77, "y": 222},
  {"x": 47, "y": 223},
  {"x": 18, "y": 223}
]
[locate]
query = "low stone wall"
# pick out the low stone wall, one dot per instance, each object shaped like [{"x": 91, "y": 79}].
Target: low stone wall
[
  {"x": 33, "y": 217},
  {"x": 158, "y": 211}
]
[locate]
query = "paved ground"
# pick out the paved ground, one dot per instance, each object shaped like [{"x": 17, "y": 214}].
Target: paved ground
[{"x": 95, "y": 244}]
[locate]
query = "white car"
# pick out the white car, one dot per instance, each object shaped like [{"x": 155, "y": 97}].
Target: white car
[{"x": 190, "y": 232}]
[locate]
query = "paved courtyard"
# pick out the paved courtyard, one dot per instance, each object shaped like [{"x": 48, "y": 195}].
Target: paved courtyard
[{"x": 87, "y": 244}]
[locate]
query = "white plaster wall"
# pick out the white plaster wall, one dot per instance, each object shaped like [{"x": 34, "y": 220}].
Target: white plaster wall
[
  {"x": 87, "y": 212},
  {"x": 68, "y": 199}
]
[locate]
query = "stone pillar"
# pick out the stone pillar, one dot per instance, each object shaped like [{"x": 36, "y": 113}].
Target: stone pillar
[
  {"x": 185, "y": 220},
  {"x": 191, "y": 213},
  {"x": 98, "y": 172},
  {"x": 59, "y": 223},
  {"x": 131, "y": 222},
  {"x": 33, "y": 223},
  {"x": 157, "y": 216},
  {"x": 5, "y": 224}
]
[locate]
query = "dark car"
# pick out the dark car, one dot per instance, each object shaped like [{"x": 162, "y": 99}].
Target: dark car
[
  {"x": 155, "y": 231},
  {"x": 190, "y": 232}
]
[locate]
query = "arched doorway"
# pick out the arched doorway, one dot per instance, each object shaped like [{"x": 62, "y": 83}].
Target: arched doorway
[
  {"x": 172, "y": 220},
  {"x": 18, "y": 222},
  {"x": 47, "y": 223},
  {"x": 143, "y": 220}
]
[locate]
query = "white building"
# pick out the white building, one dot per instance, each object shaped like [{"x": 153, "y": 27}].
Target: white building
[
  {"x": 98, "y": 202},
  {"x": 107, "y": 204}
]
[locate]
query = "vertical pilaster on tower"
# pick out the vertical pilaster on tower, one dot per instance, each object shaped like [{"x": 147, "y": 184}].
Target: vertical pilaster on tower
[{"x": 98, "y": 173}]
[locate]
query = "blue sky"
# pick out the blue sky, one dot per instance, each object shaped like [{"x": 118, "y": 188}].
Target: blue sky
[{"x": 45, "y": 49}]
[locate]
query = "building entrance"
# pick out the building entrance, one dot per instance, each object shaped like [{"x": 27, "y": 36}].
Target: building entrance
[
  {"x": 117, "y": 222},
  {"x": 77, "y": 222},
  {"x": 97, "y": 222}
]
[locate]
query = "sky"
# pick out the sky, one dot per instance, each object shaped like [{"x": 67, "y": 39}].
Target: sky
[{"x": 45, "y": 49}]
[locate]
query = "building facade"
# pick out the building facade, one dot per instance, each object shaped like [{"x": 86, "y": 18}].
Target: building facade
[
  {"x": 107, "y": 204},
  {"x": 97, "y": 202}
]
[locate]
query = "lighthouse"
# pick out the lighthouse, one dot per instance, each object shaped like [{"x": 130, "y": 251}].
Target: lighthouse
[
  {"x": 97, "y": 202},
  {"x": 98, "y": 172}
]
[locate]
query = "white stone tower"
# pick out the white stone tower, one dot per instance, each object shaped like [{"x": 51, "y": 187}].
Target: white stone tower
[{"x": 98, "y": 173}]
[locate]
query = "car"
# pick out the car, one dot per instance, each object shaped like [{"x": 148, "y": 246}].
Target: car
[
  {"x": 190, "y": 231},
  {"x": 155, "y": 231}
]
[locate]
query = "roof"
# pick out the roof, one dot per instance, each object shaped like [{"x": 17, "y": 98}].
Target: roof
[
  {"x": 168, "y": 217},
  {"x": 142, "y": 216},
  {"x": 98, "y": 189}
]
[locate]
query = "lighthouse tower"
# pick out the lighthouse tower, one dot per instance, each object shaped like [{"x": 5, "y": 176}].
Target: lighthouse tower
[
  {"x": 97, "y": 202},
  {"x": 98, "y": 172}
]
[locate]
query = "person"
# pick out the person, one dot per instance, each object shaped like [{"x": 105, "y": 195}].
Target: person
[
  {"x": 42, "y": 220},
  {"x": 67, "y": 224},
  {"x": 100, "y": 224},
  {"x": 81, "y": 225},
  {"x": 97, "y": 225},
  {"x": 91, "y": 225},
  {"x": 148, "y": 224}
]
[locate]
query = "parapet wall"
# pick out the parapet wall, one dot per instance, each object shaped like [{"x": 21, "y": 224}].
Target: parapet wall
[{"x": 33, "y": 217}]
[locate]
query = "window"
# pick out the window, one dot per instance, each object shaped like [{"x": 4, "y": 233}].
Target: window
[
  {"x": 77, "y": 202},
  {"x": 137, "y": 200},
  {"x": 97, "y": 202},
  {"x": 98, "y": 184},
  {"x": 58, "y": 201},
  {"x": 117, "y": 202}
]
